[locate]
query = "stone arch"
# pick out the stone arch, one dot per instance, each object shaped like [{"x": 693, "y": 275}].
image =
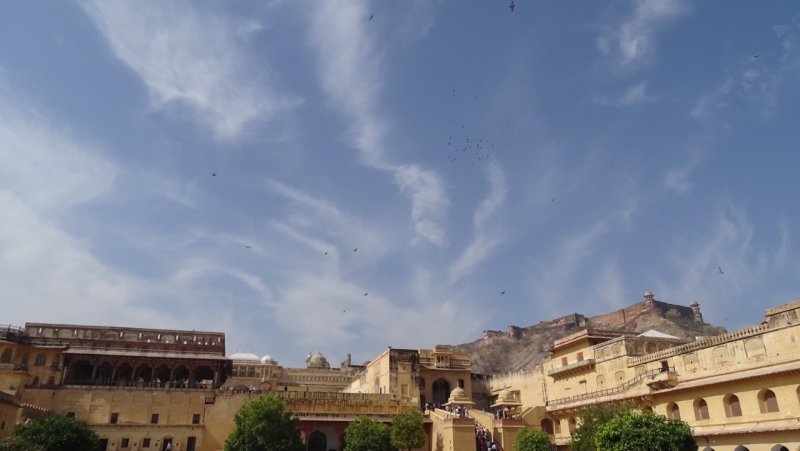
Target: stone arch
[
  {"x": 732, "y": 406},
  {"x": 441, "y": 390},
  {"x": 650, "y": 347},
  {"x": 124, "y": 374},
  {"x": 673, "y": 411},
  {"x": 6, "y": 356},
  {"x": 601, "y": 381},
  {"x": 700, "y": 409},
  {"x": 616, "y": 349},
  {"x": 181, "y": 375},
  {"x": 779, "y": 447},
  {"x": 81, "y": 372},
  {"x": 162, "y": 375},
  {"x": 619, "y": 377},
  {"x": 547, "y": 426},
  {"x": 204, "y": 373},
  {"x": 317, "y": 441},
  {"x": 143, "y": 373},
  {"x": 104, "y": 373},
  {"x": 461, "y": 383},
  {"x": 741, "y": 448},
  {"x": 572, "y": 424},
  {"x": 767, "y": 401}
]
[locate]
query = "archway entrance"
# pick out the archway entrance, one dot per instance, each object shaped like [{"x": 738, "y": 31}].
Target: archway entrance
[
  {"x": 317, "y": 441},
  {"x": 441, "y": 391}
]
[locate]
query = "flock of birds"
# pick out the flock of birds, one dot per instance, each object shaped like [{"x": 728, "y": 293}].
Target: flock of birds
[{"x": 479, "y": 149}]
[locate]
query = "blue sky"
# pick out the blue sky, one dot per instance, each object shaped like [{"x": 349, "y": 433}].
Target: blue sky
[{"x": 214, "y": 165}]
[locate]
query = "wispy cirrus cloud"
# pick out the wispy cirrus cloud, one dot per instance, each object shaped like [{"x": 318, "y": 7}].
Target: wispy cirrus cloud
[
  {"x": 677, "y": 179},
  {"x": 757, "y": 80},
  {"x": 192, "y": 58},
  {"x": 725, "y": 262},
  {"x": 631, "y": 42},
  {"x": 483, "y": 242},
  {"x": 350, "y": 68},
  {"x": 634, "y": 95},
  {"x": 552, "y": 280}
]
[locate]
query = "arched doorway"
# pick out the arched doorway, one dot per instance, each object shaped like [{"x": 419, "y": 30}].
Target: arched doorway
[
  {"x": 441, "y": 391},
  {"x": 317, "y": 441}
]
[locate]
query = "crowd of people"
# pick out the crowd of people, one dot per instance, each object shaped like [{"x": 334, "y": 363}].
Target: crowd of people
[{"x": 483, "y": 439}]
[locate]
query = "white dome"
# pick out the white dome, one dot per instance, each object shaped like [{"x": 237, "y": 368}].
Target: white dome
[
  {"x": 267, "y": 359},
  {"x": 317, "y": 361},
  {"x": 245, "y": 357}
]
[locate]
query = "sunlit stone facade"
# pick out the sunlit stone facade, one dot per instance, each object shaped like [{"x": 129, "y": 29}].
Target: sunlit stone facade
[{"x": 144, "y": 389}]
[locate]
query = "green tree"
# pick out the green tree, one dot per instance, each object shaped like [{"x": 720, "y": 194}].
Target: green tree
[
  {"x": 58, "y": 433},
  {"x": 407, "y": 431},
  {"x": 365, "y": 434},
  {"x": 633, "y": 431},
  {"x": 18, "y": 444},
  {"x": 591, "y": 419},
  {"x": 262, "y": 424},
  {"x": 532, "y": 440}
]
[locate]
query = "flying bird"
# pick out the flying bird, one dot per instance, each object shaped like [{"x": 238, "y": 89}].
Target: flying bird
[
  {"x": 366, "y": 293},
  {"x": 511, "y": 6},
  {"x": 325, "y": 253},
  {"x": 213, "y": 174},
  {"x": 756, "y": 55},
  {"x": 504, "y": 291},
  {"x": 554, "y": 199},
  {"x": 372, "y": 16},
  {"x": 355, "y": 249},
  {"x": 720, "y": 271},
  {"x": 248, "y": 246}
]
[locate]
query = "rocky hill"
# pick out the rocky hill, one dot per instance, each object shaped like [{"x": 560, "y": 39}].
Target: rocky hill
[{"x": 524, "y": 347}]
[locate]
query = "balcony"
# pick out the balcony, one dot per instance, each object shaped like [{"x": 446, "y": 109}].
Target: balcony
[
  {"x": 572, "y": 369},
  {"x": 662, "y": 380}
]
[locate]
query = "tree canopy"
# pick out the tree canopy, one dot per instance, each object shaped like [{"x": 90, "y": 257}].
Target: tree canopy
[
  {"x": 365, "y": 434},
  {"x": 632, "y": 431},
  {"x": 14, "y": 443},
  {"x": 532, "y": 440},
  {"x": 407, "y": 430},
  {"x": 55, "y": 433},
  {"x": 262, "y": 424},
  {"x": 591, "y": 419}
]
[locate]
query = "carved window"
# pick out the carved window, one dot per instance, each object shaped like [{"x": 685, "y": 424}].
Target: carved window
[
  {"x": 41, "y": 359},
  {"x": 673, "y": 411},
  {"x": 767, "y": 401},
  {"x": 580, "y": 356},
  {"x": 6, "y": 356},
  {"x": 700, "y": 409},
  {"x": 732, "y": 406}
]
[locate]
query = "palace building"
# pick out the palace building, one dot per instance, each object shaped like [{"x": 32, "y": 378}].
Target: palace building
[{"x": 154, "y": 389}]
